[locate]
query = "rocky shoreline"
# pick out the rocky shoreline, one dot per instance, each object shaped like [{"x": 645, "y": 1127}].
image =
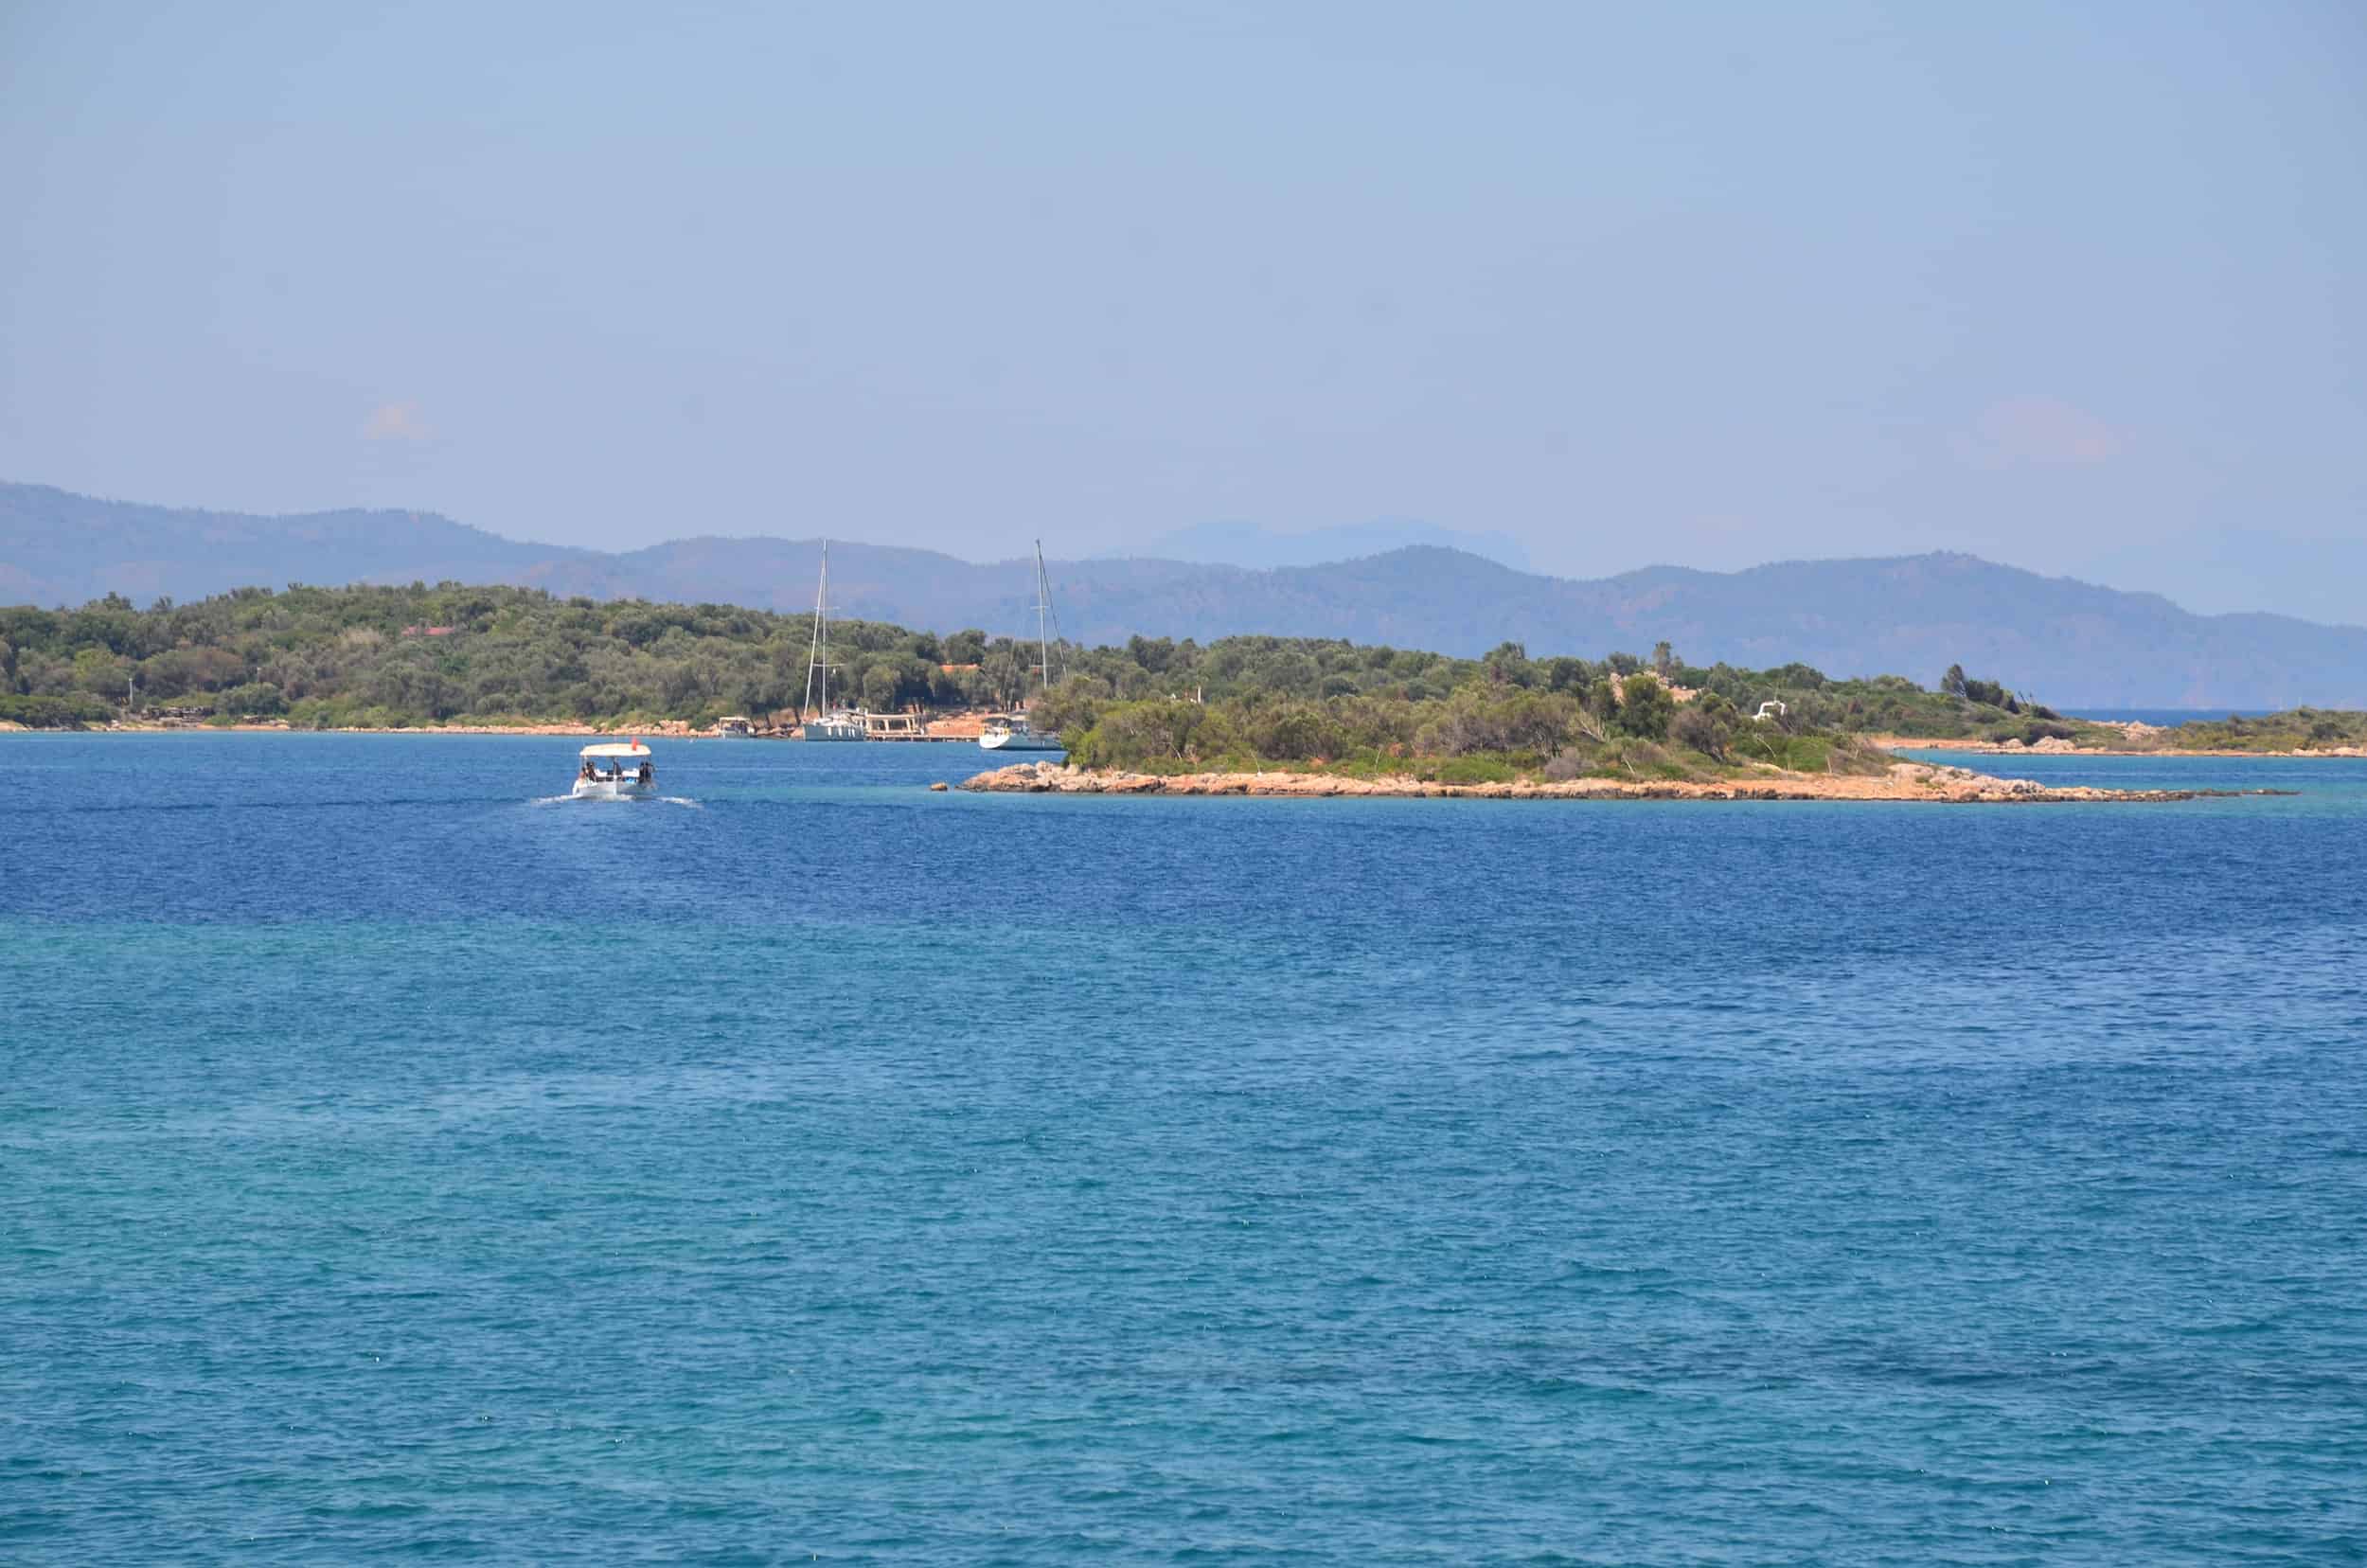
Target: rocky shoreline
[{"x": 1917, "y": 781}]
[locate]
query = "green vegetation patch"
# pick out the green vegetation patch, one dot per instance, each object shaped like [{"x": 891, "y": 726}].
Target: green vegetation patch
[{"x": 397, "y": 657}]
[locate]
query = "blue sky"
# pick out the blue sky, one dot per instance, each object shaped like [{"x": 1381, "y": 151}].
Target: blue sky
[{"x": 2075, "y": 287}]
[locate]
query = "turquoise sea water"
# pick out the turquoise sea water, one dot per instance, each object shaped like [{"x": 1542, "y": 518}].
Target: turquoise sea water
[{"x": 395, "y": 1164}]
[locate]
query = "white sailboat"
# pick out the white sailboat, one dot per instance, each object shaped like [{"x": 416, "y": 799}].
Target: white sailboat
[
  {"x": 830, "y": 723},
  {"x": 1015, "y": 734}
]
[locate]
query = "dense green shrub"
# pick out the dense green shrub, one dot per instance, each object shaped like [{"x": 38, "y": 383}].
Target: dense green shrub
[
  {"x": 1699, "y": 727},
  {"x": 1646, "y": 709},
  {"x": 256, "y": 700},
  {"x": 67, "y": 712}
]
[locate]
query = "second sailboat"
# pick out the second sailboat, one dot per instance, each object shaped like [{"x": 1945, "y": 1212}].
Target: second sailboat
[
  {"x": 828, "y": 723},
  {"x": 1016, "y": 734}
]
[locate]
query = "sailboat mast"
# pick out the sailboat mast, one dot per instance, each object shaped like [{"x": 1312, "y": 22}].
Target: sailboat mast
[
  {"x": 820, "y": 648},
  {"x": 1043, "y": 606}
]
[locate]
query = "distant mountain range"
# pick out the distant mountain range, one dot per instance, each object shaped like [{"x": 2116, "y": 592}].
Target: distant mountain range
[
  {"x": 1253, "y": 545},
  {"x": 2068, "y": 643}
]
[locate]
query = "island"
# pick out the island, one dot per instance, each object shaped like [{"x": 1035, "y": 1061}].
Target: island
[
  {"x": 1901, "y": 782},
  {"x": 496, "y": 659}
]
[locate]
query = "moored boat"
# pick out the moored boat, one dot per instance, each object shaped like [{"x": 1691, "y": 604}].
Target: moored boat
[
  {"x": 837, "y": 725},
  {"x": 1014, "y": 735},
  {"x": 1017, "y": 733},
  {"x": 828, "y": 723}
]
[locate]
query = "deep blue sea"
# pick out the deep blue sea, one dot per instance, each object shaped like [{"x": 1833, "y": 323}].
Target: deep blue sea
[{"x": 398, "y": 1165}]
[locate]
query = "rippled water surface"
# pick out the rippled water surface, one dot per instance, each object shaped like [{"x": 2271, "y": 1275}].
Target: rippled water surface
[{"x": 394, "y": 1162}]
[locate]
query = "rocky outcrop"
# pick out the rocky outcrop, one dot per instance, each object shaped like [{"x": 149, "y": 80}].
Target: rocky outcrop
[{"x": 1919, "y": 781}]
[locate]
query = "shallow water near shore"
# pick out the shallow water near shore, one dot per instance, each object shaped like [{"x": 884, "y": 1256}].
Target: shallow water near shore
[{"x": 397, "y": 1163}]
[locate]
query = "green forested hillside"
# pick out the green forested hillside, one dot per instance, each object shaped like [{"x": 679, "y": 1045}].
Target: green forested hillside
[{"x": 331, "y": 657}]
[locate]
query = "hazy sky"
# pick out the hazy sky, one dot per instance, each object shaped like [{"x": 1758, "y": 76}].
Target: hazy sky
[{"x": 2082, "y": 287}]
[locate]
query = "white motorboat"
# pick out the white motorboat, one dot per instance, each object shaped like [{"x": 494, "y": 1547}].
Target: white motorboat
[
  {"x": 616, "y": 771},
  {"x": 1015, "y": 734},
  {"x": 734, "y": 726},
  {"x": 828, "y": 723}
]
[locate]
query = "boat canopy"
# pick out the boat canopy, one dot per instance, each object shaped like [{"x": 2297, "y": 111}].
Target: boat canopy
[{"x": 612, "y": 749}]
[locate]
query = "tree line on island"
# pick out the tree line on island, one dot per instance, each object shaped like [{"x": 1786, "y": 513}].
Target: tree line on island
[{"x": 397, "y": 657}]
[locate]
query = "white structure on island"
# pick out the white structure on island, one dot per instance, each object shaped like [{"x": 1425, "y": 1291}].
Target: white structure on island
[
  {"x": 1770, "y": 710},
  {"x": 613, "y": 772}
]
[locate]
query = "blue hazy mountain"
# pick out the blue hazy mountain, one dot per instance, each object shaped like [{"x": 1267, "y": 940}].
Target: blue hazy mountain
[
  {"x": 57, "y": 547},
  {"x": 1254, "y": 545},
  {"x": 2066, "y": 642}
]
